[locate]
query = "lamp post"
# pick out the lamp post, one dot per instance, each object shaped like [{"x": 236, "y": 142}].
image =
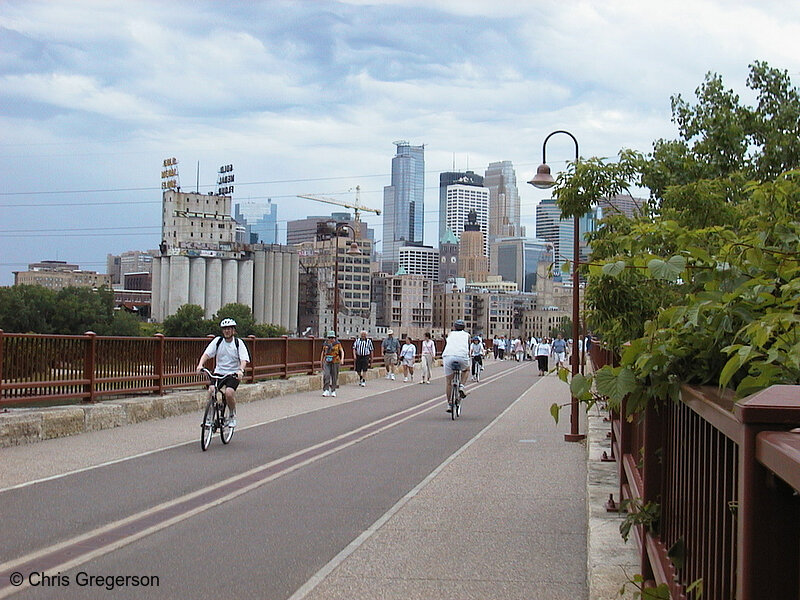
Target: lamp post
[
  {"x": 352, "y": 251},
  {"x": 543, "y": 180}
]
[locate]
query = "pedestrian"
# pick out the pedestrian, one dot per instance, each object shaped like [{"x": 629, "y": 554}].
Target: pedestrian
[
  {"x": 428, "y": 354},
  {"x": 519, "y": 349},
  {"x": 543, "y": 350},
  {"x": 560, "y": 351},
  {"x": 390, "y": 347},
  {"x": 476, "y": 356},
  {"x": 407, "y": 356},
  {"x": 332, "y": 356},
  {"x": 362, "y": 351},
  {"x": 496, "y": 347},
  {"x": 501, "y": 347}
]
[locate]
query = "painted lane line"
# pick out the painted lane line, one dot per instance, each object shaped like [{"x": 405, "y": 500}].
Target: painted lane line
[{"x": 105, "y": 539}]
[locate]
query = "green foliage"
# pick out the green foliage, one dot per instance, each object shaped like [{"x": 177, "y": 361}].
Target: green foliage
[
  {"x": 647, "y": 514},
  {"x": 189, "y": 321},
  {"x": 268, "y": 330},
  {"x": 27, "y": 309},
  {"x": 240, "y": 313},
  {"x": 125, "y": 323},
  {"x": 72, "y": 310}
]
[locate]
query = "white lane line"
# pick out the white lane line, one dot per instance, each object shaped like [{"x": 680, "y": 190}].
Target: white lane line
[{"x": 337, "y": 560}]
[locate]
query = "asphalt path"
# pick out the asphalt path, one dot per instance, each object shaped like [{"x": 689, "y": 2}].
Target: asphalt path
[{"x": 256, "y": 518}]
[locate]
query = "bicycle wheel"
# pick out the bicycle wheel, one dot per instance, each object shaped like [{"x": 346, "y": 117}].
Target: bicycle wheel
[
  {"x": 478, "y": 369},
  {"x": 225, "y": 432},
  {"x": 454, "y": 399},
  {"x": 207, "y": 427},
  {"x": 457, "y": 409}
]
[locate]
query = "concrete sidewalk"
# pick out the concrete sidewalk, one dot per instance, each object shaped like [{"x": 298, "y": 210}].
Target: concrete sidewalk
[{"x": 505, "y": 517}]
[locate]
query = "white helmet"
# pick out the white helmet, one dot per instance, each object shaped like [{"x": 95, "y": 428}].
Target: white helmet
[{"x": 227, "y": 323}]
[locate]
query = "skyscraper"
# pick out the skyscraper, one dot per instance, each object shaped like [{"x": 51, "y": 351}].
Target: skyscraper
[
  {"x": 503, "y": 201},
  {"x": 403, "y": 203},
  {"x": 460, "y": 200},
  {"x": 449, "y": 178},
  {"x": 261, "y": 220}
]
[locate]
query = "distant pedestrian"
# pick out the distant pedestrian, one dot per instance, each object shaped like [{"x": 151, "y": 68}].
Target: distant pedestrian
[
  {"x": 362, "y": 351},
  {"x": 407, "y": 356},
  {"x": 390, "y": 347},
  {"x": 560, "y": 351},
  {"x": 543, "y": 350},
  {"x": 428, "y": 354},
  {"x": 332, "y": 357}
]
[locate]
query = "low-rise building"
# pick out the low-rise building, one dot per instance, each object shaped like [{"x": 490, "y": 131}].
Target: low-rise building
[{"x": 57, "y": 274}]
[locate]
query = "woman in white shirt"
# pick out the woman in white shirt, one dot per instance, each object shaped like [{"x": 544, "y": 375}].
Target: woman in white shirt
[
  {"x": 428, "y": 354},
  {"x": 455, "y": 358},
  {"x": 407, "y": 355},
  {"x": 543, "y": 350}
]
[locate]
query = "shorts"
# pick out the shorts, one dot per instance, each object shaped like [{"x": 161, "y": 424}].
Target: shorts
[
  {"x": 453, "y": 364},
  {"x": 230, "y": 381},
  {"x": 408, "y": 362},
  {"x": 362, "y": 363},
  {"x": 390, "y": 359}
]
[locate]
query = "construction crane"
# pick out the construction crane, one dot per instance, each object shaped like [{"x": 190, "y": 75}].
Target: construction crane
[{"x": 356, "y": 207}]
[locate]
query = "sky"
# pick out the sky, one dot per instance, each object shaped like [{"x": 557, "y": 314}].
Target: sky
[{"x": 307, "y": 97}]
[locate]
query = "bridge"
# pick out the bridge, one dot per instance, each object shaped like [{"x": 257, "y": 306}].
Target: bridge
[{"x": 375, "y": 493}]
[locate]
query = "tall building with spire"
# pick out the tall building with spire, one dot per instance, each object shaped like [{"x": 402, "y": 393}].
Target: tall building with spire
[
  {"x": 403, "y": 203},
  {"x": 504, "y": 207},
  {"x": 446, "y": 179},
  {"x": 473, "y": 264}
]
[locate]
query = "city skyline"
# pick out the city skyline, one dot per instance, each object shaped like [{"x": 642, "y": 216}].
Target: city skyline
[{"x": 305, "y": 98}]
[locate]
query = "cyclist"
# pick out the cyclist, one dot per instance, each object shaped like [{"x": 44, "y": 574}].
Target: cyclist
[
  {"x": 476, "y": 351},
  {"x": 455, "y": 357},
  {"x": 232, "y": 358}
]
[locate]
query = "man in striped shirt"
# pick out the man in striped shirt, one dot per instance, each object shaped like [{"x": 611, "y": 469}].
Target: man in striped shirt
[{"x": 362, "y": 349}]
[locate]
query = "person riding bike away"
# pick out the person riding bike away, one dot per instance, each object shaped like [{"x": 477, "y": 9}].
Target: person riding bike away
[
  {"x": 476, "y": 351},
  {"x": 455, "y": 357},
  {"x": 232, "y": 359}
]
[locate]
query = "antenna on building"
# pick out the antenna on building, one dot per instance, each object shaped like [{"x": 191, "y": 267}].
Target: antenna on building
[{"x": 197, "y": 188}]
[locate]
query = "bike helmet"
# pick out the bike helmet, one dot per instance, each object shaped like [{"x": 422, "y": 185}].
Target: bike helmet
[
  {"x": 227, "y": 323},
  {"x": 459, "y": 325}
]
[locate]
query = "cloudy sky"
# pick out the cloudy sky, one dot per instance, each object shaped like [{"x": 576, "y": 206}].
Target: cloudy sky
[{"x": 307, "y": 98}]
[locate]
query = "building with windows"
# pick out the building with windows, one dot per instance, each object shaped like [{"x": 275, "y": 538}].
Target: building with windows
[
  {"x": 58, "y": 274},
  {"x": 260, "y": 220},
  {"x": 447, "y": 179},
  {"x": 420, "y": 260},
  {"x": 473, "y": 264},
  {"x": 461, "y": 199},
  {"x": 199, "y": 219},
  {"x": 403, "y": 203},
  {"x": 517, "y": 259},
  {"x": 132, "y": 261},
  {"x": 448, "y": 257},
  {"x": 305, "y": 230},
  {"x": 504, "y": 205},
  {"x": 403, "y": 303}
]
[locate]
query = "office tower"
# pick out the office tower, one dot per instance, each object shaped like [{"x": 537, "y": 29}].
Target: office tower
[
  {"x": 473, "y": 264},
  {"x": 261, "y": 219},
  {"x": 420, "y": 260},
  {"x": 460, "y": 199},
  {"x": 305, "y": 230},
  {"x": 403, "y": 203},
  {"x": 620, "y": 204},
  {"x": 517, "y": 259},
  {"x": 447, "y": 179},
  {"x": 504, "y": 214}
]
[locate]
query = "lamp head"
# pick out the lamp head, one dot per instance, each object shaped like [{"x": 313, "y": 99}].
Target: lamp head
[
  {"x": 353, "y": 249},
  {"x": 543, "y": 179}
]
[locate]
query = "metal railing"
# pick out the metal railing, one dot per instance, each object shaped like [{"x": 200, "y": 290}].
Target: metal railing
[
  {"x": 726, "y": 477},
  {"x": 36, "y": 369}
]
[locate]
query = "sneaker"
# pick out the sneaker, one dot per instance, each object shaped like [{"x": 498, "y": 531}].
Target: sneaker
[
  {"x": 449, "y": 408},
  {"x": 231, "y": 422},
  {"x": 392, "y": 376},
  {"x": 388, "y": 376},
  {"x": 326, "y": 393},
  {"x": 461, "y": 391},
  {"x": 333, "y": 393},
  {"x": 405, "y": 379}
]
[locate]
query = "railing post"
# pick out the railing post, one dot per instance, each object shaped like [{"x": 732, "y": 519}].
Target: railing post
[
  {"x": 251, "y": 339},
  {"x": 158, "y": 363},
  {"x": 652, "y": 445},
  {"x": 767, "y": 527},
  {"x": 285, "y": 356},
  {"x": 88, "y": 365},
  {"x": 311, "y": 355}
]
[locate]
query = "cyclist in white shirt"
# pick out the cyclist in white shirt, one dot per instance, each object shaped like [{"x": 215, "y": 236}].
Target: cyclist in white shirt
[
  {"x": 455, "y": 357},
  {"x": 232, "y": 359}
]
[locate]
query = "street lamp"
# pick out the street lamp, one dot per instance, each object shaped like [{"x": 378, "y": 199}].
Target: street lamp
[
  {"x": 543, "y": 180},
  {"x": 353, "y": 250}
]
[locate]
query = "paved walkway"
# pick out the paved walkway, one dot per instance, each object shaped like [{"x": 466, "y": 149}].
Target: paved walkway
[{"x": 515, "y": 513}]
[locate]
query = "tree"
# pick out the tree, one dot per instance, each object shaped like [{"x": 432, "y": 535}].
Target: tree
[
  {"x": 82, "y": 309},
  {"x": 241, "y": 313},
  {"x": 27, "y": 309},
  {"x": 188, "y": 321},
  {"x": 125, "y": 323}
]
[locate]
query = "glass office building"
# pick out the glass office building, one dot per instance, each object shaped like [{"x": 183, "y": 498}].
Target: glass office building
[{"x": 403, "y": 203}]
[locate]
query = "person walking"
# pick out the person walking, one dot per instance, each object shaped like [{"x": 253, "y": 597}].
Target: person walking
[
  {"x": 407, "y": 356},
  {"x": 332, "y": 356},
  {"x": 428, "y": 354},
  {"x": 501, "y": 347},
  {"x": 362, "y": 352},
  {"x": 543, "y": 351},
  {"x": 390, "y": 347},
  {"x": 560, "y": 351},
  {"x": 519, "y": 349}
]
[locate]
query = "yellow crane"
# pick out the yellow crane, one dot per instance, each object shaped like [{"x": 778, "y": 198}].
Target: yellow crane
[{"x": 357, "y": 206}]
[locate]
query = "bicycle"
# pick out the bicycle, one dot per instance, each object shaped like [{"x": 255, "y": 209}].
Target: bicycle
[
  {"x": 477, "y": 367},
  {"x": 216, "y": 414},
  {"x": 454, "y": 401}
]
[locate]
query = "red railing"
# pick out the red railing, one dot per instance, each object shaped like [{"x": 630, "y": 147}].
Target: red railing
[
  {"x": 726, "y": 477},
  {"x": 37, "y": 369}
]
